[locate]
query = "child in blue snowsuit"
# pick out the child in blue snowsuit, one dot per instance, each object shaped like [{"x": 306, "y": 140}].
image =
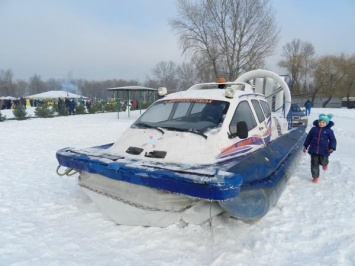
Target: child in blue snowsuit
[{"x": 320, "y": 142}]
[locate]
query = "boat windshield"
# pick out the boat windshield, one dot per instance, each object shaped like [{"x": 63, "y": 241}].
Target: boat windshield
[{"x": 194, "y": 115}]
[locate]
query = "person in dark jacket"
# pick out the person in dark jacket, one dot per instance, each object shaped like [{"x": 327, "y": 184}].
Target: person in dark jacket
[
  {"x": 308, "y": 106},
  {"x": 320, "y": 142}
]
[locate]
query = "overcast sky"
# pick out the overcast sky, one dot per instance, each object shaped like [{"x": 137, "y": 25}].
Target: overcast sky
[{"x": 125, "y": 39}]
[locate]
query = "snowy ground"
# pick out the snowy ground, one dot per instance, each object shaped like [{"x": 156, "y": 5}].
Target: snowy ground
[{"x": 48, "y": 220}]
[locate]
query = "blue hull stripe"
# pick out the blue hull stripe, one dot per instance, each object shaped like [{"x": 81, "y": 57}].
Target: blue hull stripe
[{"x": 252, "y": 172}]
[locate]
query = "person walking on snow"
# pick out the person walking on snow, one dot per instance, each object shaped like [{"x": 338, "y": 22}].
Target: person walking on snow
[
  {"x": 308, "y": 105},
  {"x": 320, "y": 142}
]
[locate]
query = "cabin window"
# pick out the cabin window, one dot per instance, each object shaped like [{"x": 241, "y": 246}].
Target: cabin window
[
  {"x": 181, "y": 110},
  {"x": 244, "y": 113},
  {"x": 266, "y": 108},
  {"x": 258, "y": 110},
  {"x": 159, "y": 114},
  {"x": 197, "y": 108}
]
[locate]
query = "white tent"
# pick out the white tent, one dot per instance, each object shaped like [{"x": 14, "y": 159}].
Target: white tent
[
  {"x": 55, "y": 94},
  {"x": 8, "y": 98}
]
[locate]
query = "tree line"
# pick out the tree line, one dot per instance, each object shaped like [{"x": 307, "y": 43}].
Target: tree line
[
  {"x": 219, "y": 38},
  {"x": 312, "y": 76}
]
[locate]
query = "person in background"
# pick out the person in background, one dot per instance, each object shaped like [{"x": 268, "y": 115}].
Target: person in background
[
  {"x": 88, "y": 105},
  {"x": 67, "y": 104},
  {"x": 308, "y": 105},
  {"x": 135, "y": 104},
  {"x": 72, "y": 107},
  {"x": 320, "y": 142}
]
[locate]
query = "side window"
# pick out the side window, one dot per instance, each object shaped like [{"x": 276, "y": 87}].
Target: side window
[
  {"x": 266, "y": 108},
  {"x": 258, "y": 111},
  {"x": 243, "y": 113}
]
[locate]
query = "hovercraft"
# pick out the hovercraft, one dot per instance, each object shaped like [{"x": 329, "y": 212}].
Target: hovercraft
[{"x": 192, "y": 155}]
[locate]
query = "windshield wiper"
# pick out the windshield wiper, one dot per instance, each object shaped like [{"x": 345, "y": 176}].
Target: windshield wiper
[
  {"x": 194, "y": 131},
  {"x": 145, "y": 125}
]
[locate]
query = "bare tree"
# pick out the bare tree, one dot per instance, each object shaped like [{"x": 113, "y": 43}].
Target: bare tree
[
  {"x": 22, "y": 87},
  {"x": 329, "y": 74},
  {"x": 166, "y": 75},
  {"x": 204, "y": 70},
  {"x": 187, "y": 76},
  {"x": 151, "y": 83},
  {"x": 6, "y": 84},
  {"x": 36, "y": 85},
  {"x": 299, "y": 62},
  {"x": 309, "y": 58},
  {"x": 232, "y": 36},
  {"x": 97, "y": 90},
  {"x": 53, "y": 85},
  {"x": 349, "y": 79}
]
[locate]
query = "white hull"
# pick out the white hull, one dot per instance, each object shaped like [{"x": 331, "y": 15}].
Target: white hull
[{"x": 130, "y": 204}]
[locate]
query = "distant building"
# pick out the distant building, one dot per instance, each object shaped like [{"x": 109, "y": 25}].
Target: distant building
[
  {"x": 318, "y": 102},
  {"x": 348, "y": 103}
]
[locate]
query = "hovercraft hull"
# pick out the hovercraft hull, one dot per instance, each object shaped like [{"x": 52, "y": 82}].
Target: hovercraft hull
[
  {"x": 196, "y": 153},
  {"x": 257, "y": 195},
  {"x": 141, "y": 193},
  {"x": 130, "y": 204},
  {"x": 205, "y": 182}
]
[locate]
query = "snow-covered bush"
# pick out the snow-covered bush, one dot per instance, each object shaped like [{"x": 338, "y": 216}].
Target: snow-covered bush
[
  {"x": 20, "y": 112},
  {"x": 44, "y": 110},
  {"x": 2, "y": 117},
  {"x": 80, "y": 109}
]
